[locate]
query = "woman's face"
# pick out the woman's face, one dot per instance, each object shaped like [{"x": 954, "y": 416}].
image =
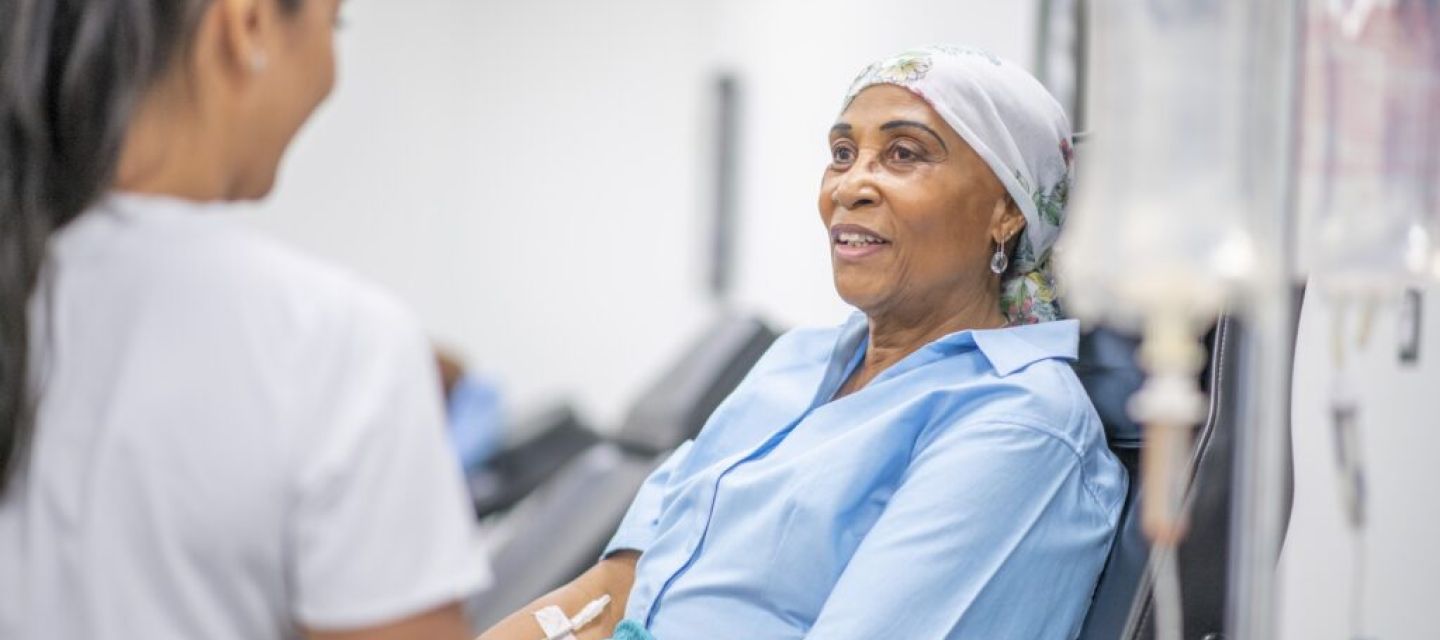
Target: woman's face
[
  {"x": 293, "y": 75},
  {"x": 913, "y": 213}
]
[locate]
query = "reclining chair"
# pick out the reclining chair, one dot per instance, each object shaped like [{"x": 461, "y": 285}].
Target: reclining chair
[
  {"x": 560, "y": 529},
  {"x": 558, "y": 436},
  {"x": 1122, "y": 605}
]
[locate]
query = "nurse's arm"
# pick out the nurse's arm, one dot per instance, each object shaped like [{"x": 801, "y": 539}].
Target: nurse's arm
[
  {"x": 444, "y": 623},
  {"x": 992, "y": 534},
  {"x": 614, "y": 575}
]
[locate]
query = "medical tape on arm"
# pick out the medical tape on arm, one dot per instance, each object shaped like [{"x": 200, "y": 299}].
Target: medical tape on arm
[{"x": 558, "y": 626}]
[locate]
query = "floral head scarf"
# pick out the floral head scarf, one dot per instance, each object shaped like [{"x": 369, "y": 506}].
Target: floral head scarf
[{"x": 1020, "y": 131}]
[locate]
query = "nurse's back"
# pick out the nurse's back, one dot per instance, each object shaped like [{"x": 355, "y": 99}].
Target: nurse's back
[
  {"x": 202, "y": 435},
  {"x": 230, "y": 440}
]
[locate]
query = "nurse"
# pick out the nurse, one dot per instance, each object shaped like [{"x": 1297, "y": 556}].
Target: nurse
[
  {"x": 931, "y": 468},
  {"x": 202, "y": 434}
]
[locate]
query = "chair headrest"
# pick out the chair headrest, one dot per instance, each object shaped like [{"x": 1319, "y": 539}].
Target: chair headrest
[{"x": 1107, "y": 369}]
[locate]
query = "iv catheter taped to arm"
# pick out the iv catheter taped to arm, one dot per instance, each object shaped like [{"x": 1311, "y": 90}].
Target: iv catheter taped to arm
[{"x": 558, "y": 626}]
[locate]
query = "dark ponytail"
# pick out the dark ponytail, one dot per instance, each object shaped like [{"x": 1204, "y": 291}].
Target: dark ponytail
[{"x": 71, "y": 72}]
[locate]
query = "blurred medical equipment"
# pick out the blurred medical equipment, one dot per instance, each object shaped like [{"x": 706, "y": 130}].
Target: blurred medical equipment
[
  {"x": 1190, "y": 205},
  {"x": 1181, "y": 216},
  {"x": 558, "y": 530},
  {"x": 1122, "y": 603},
  {"x": 1369, "y": 159},
  {"x": 1060, "y": 46}
]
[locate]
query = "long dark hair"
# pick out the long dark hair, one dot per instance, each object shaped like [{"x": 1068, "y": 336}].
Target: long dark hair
[{"x": 71, "y": 72}]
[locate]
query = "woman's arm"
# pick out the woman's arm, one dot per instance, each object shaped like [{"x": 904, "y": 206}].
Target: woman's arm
[{"x": 614, "y": 575}]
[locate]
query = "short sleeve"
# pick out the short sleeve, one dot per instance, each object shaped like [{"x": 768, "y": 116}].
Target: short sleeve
[
  {"x": 380, "y": 526},
  {"x": 637, "y": 530},
  {"x": 992, "y": 534}
]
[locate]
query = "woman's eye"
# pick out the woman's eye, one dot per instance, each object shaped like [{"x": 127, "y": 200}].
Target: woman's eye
[
  {"x": 842, "y": 154},
  {"x": 903, "y": 153}
]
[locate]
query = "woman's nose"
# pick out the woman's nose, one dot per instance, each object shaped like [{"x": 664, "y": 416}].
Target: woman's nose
[{"x": 856, "y": 188}]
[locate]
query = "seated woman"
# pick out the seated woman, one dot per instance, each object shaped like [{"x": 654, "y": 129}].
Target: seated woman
[{"x": 931, "y": 468}]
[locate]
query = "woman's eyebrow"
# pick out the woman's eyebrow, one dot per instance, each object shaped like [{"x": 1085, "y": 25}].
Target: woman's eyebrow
[
  {"x": 840, "y": 127},
  {"x": 898, "y": 124}
]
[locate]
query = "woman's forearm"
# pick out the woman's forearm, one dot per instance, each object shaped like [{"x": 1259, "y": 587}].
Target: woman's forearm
[{"x": 613, "y": 576}]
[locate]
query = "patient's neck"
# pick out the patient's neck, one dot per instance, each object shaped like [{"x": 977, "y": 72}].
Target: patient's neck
[{"x": 898, "y": 332}]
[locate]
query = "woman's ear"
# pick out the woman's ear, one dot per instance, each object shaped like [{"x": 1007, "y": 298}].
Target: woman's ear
[{"x": 1007, "y": 221}]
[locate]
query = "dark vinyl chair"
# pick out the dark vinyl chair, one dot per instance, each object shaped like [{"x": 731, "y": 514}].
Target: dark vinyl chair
[
  {"x": 1122, "y": 607},
  {"x": 559, "y": 437}
]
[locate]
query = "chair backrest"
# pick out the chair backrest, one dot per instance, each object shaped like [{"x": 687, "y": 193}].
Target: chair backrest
[
  {"x": 559, "y": 436},
  {"x": 1121, "y": 606},
  {"x": 682, "y": 398},
  {"x": 1107, "y": 369},
  {"x": 1203, "y": 557}
]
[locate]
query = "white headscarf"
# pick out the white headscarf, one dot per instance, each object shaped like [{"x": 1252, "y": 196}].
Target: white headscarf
[{"x": 1021, "y": 132}]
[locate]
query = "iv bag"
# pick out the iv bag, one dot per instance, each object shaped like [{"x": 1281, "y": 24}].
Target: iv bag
[
  {"x": 1161, "y": 216},
  {"x": 1369, "y": 143}
]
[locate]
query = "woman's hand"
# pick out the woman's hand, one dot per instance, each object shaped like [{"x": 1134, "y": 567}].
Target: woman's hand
[{"x": 613, "y": 575}]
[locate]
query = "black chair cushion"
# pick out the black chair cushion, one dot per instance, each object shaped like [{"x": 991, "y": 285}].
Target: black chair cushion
[{"x": 1109, "y": 373}]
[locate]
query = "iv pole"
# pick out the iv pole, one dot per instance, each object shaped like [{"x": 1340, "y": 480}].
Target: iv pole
[{"x": 1258, "y": 520}]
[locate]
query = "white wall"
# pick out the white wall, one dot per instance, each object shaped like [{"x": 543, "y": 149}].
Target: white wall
[
  {"x": 525, "y": 174},
  {"x": 533, "y": 176},
  {"x": 1400, "y": 440}
]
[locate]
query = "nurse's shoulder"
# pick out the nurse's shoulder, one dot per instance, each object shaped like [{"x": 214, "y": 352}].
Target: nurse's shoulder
[
  {"x": 224, "y": 289},
  {"x": 208, "y": 260}
]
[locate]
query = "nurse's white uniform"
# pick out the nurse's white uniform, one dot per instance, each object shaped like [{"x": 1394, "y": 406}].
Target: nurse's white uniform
[{"x": 232, "y": 440}]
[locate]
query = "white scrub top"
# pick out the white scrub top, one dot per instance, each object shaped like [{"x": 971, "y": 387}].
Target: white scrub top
[{"x": 232, "y": 440}]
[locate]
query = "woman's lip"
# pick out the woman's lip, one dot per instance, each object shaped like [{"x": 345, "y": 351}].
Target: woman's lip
[
  {"x": 852, "y": 253},
  {"x": 838, "y": 229},
  {"x": 856, "y": 253}
]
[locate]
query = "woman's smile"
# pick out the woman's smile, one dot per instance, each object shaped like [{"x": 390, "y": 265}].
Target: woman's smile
[{"x": 853, "y": 243}]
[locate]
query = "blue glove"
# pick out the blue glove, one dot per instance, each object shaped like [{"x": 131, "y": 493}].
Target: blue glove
[{"x": 477, "y": 425}]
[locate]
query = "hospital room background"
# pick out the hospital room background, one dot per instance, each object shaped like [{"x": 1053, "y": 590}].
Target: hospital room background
[{"x": 540, "y": 180}]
